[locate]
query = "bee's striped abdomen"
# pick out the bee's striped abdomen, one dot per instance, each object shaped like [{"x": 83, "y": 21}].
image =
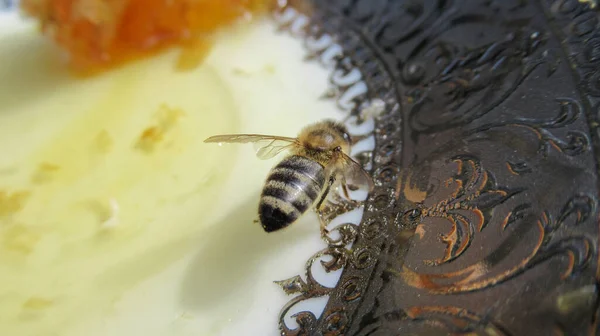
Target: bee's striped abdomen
[{"x": 292, "y": 187}]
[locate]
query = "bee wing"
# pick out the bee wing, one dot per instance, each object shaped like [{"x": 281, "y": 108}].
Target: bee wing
[
  {"x": 354, "y": 173},
  {"x": 266, "y": 149},
  {"x": 266, "y": 146}
]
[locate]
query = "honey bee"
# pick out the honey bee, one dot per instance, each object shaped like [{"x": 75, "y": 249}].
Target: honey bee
[{"x": 318, "y": 159}]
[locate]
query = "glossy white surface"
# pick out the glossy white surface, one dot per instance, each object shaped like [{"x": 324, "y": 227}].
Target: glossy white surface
[{"x": 224, "y": 284}]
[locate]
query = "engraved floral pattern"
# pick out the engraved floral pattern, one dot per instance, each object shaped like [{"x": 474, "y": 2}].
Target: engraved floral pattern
[{"x": 484, "y": 216}]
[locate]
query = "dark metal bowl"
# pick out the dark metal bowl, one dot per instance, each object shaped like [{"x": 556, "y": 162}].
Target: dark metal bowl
[{"x": 484, "y": 219}]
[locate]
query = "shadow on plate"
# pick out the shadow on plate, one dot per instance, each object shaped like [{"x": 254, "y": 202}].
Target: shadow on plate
[{"x": 231, "y": 255}]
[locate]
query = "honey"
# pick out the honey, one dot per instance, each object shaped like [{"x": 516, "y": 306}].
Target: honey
[{"x": 98, "y": 34}]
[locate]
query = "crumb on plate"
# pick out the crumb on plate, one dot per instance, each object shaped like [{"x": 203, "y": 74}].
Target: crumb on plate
[
  {"x": 12, "y": 202},
  {"x": 153, "y": 135}
]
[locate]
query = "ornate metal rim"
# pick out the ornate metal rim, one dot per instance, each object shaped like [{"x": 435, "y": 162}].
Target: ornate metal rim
[{"x": 370, "y": 84}]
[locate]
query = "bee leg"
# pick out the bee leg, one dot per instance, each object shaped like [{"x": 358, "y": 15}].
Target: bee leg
[
  {"x": 319, "y": 207},
  {"x": 348, "y": 201},
  {"x": 345, "y": 189},
  {"x": 325, "y": 193},
  {"x": 337, "y": 205}
]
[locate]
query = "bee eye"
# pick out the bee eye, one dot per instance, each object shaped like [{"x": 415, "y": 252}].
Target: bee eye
[{"x": 346, "y": 136}]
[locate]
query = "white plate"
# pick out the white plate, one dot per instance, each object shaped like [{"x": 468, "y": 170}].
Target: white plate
[{"x": 215, "y": 279}]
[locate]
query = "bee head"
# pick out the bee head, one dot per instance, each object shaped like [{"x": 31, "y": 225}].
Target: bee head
[{"x": 326, "y": 136}]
